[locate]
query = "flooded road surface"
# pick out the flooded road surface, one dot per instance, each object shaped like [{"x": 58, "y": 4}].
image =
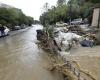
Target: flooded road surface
[{"x": 20, "y": 58}]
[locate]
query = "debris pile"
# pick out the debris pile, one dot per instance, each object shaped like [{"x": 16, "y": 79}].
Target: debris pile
[
  {"x": 59, "y": 41},
  {"x": 62, "y": 39}
]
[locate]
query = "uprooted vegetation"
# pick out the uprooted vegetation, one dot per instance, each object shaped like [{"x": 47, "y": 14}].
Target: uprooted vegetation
[
  {"x": 70, "y": 70},
  {"x": 67, "y": 68}
]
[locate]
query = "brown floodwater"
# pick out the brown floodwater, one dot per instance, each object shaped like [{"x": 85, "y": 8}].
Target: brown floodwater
[{"x": 21, "y": 59}]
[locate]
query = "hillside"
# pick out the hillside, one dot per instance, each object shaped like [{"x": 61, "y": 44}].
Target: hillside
[{"x": 2, "y": 5}]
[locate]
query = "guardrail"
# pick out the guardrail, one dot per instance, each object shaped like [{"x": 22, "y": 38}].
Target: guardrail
[{"x": 77, "y": 72}]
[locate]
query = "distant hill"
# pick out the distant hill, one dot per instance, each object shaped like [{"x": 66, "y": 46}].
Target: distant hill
[{"x": 5, "y": 5}]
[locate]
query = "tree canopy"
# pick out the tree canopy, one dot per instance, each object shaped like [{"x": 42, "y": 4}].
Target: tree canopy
[
  {"x": 73, "y": 9},
  {"x": 13, "y": 16}
]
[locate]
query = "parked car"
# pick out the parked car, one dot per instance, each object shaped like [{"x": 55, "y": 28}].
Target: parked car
[
  {"x": 23, "y": 27},
  {"x": 77, "y": 21},
  {"x": 16, "y": 28},
  {"x": 6, "y": 32}
]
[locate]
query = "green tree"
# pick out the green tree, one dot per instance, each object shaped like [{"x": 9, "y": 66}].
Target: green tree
[
  {"x": 14, "y": 16},
  {"x": 61, "y": 2},
  {"x": 93, "y": 1}
]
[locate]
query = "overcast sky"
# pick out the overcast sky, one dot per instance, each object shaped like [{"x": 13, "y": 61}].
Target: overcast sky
[{"x": 30, "y": 7}]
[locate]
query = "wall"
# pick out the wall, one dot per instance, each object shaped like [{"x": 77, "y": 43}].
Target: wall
[{"x": 96, "y": 17}]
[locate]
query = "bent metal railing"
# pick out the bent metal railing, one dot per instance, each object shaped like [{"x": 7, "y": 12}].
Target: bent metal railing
[{"x": 80, "y": 74}]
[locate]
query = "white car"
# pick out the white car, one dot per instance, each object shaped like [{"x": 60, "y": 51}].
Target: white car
[
  {"x": 76, "y": 21},
  {"x": 17, "y": 27},
  {"x": 6, "y": 31}
]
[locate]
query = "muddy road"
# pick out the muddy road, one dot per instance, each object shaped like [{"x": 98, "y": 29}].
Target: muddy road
[{"x": 21, "y": 59}]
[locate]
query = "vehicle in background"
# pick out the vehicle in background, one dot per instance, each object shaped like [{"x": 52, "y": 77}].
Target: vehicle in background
[
  {"x": 16, "y": 28},
  {"x": 23, "y": 26},
  {"x": 77, "y": 21},
  {"x": 6, "y": 31}
]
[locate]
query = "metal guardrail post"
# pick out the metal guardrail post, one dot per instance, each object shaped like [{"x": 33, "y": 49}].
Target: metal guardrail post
[
  {"x": 67, "y": 63},
  {"x": 79, "y": 76},
  {"x": 70, "y": 66},
  {"x": 74, "y": 70}
]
